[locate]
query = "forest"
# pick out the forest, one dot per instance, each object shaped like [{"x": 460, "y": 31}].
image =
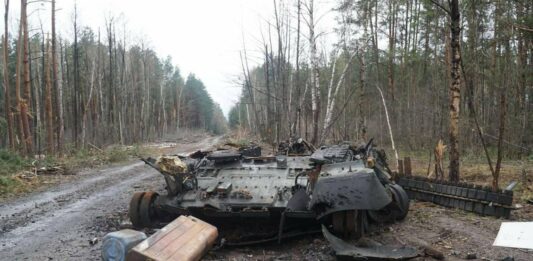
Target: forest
[
  {"x": 407, "y": 73},
  {"x": 460, "y": 71},
  {"x": 93, "y": 88},
  {"x": 291, "y": 130}
]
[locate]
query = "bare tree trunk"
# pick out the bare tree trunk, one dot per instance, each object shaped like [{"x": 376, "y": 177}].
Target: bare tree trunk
[
  {"x": 76, "y": 89},
  {"x": 48, "y": 103},
  {"x": 315, "y": 74},
  {"x": 392, "y": 46},
  {"x": 268, "y": 119},
  {"x": 60, "y": 106},
  {"x": 18, "y": 96},
  {"x": 37, "y": 91},
  {"x": 455, "y": 90},
  {"x": 496, "y": 174},
  {"x": 361, "y": 128},
  {"x": 58, "y": 84},
  {"x": 249, "y": 87},
  {"x": 86, "y": 105},
  {"x": 389, "y": 126},
  {"x": 297, "y": 117},
  {"x": 179, "y": 109},
  {"x": 333, "y": 92},
  {"x": 7, "y": 102},
  {"x": 26, "y": 101},
  {"x": 111, "y": 84}
]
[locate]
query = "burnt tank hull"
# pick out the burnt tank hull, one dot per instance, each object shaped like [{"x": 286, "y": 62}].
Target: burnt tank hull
[{"x": 334, "y": 184}]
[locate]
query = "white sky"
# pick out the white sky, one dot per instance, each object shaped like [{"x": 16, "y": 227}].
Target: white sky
[{"x": 203, "y": 37}]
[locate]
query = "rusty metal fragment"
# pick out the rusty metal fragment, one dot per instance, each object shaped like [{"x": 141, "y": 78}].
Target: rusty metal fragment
[{"x": 346, "y": 251}]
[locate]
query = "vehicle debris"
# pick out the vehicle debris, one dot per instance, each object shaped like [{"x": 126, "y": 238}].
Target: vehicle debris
[
  {"x": 515, "y": 234},
  {"x": 469, "y": 197},
  {"x": 116, "y": 245},
  {"x": 186, "y": 238},
  {"x": 93, "y": 241},
  {"x": 343, "y": 187},
  {"x": 376, "y": 252},
  {"x": 295, "y": 146}
]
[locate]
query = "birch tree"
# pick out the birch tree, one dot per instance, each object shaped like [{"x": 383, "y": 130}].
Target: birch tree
[{"x": 315, "y": 73}]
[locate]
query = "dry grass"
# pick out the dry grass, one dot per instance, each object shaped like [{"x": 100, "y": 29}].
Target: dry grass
[
  {"x": 18, "y": 175},
  {"x": 478, "y": 172}
]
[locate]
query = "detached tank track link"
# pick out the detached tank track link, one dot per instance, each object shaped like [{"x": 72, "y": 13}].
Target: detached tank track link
[{"x": 469, "y": 197}]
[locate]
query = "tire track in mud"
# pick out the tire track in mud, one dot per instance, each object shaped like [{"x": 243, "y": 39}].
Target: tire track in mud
[
  {"x": 59, "y": 196},
  {"x": 58, "y": 223}
]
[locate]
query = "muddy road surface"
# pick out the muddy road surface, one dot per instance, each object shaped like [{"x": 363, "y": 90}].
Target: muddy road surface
[{"x": 68, "y": 221}]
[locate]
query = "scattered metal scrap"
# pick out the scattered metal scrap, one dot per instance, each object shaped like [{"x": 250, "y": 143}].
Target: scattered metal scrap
[{"x": 345, "y": 250}]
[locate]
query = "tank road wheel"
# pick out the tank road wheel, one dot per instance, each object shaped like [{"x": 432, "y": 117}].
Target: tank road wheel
[
  {"x": 133, "y": 211},
  {"x": 350, "y": 223},
  {"x": 356, "y": 223},
  {"x": 147, "y": 211},
  {"x": 337, "y": 220},
  {"x": 396, "y": 210},
  {"x": 382, "y": 216},
  {"x": 403, "y": 201}
]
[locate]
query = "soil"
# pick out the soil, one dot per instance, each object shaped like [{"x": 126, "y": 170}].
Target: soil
[
  {"x": 454, "y": 233},
  {"x": 69, "y": 220}
]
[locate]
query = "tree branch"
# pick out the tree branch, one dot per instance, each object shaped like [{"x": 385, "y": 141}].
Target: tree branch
[
  {"x": 441, "y": 6},
  {"x": 522, "y": 27}
]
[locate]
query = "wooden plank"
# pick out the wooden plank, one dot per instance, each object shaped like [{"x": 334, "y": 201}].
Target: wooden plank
[
  {"x": 158, "y": 236},
  {"x": 197, "y": 246},
  {"x": 165, "y": 238},
  {"x": 175, "y": 245},
  {"x": 407, "y": 166},
  {"x": 400, "y": 167},
  {"x": 177, "y": 235}
]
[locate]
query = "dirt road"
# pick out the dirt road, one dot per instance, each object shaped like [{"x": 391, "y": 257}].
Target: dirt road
[{"x": 60, "y": 223}]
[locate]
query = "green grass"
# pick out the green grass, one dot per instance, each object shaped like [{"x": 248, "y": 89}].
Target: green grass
[
  {"x": 10, "y": 164},
  {"x": 8, "y": 184}
]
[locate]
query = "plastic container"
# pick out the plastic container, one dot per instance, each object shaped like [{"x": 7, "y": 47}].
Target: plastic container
[{"x": 116, "y": 245}]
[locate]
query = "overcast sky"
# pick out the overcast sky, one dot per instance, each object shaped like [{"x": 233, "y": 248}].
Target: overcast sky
[{"x": 203, "y": 37}]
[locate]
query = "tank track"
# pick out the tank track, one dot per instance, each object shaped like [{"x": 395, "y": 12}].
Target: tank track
[{"x": 469, "y": 197}]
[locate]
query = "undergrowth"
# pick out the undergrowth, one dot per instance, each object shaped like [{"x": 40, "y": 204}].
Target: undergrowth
[
  {"x": 10, "y": 163},
  {"x": 17, "y": 172}
]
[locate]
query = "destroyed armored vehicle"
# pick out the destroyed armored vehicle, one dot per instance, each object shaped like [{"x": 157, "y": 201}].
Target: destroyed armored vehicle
[{"x": 341, "y": 186}]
